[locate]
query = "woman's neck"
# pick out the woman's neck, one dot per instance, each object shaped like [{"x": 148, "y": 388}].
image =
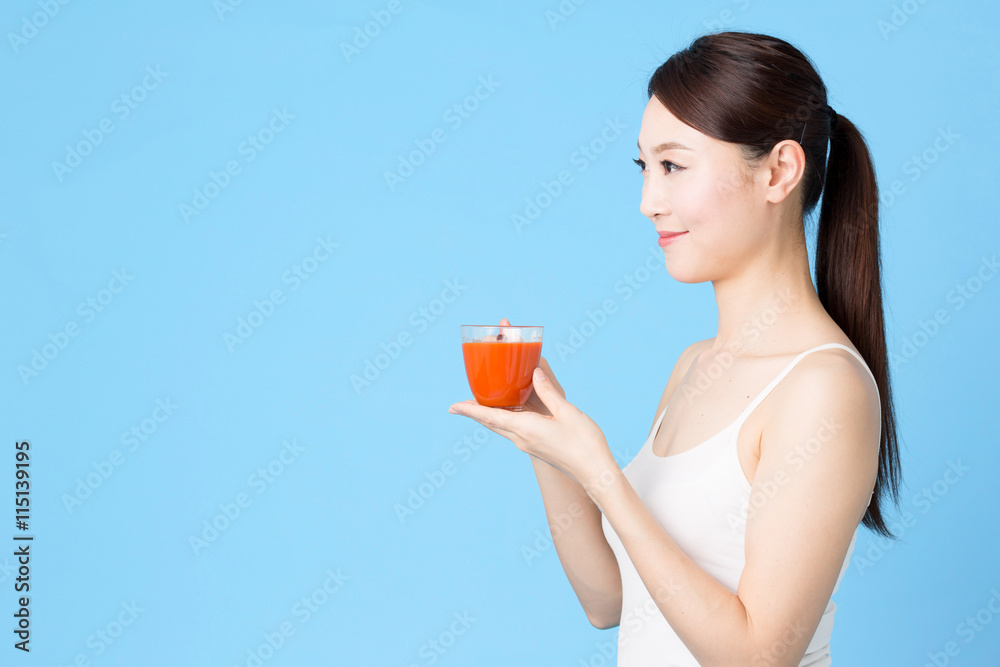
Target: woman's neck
[{"x": 764, "y": 308}]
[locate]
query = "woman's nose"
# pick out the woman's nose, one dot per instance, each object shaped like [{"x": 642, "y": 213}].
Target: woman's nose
[{"x": 651, "y": 205}]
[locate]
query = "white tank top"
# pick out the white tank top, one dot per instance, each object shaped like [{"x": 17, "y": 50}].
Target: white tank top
[{"x": 700, "y": 497}]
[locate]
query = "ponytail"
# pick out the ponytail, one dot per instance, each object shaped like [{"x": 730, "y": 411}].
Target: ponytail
[{"x": 848, "y": 282}]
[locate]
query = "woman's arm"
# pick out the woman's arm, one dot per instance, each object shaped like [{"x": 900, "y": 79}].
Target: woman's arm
[
  {"x": 575, "y": 523},
  {"x": 797, "y": 535}
]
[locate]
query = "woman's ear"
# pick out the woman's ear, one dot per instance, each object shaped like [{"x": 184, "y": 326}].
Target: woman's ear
[{"x": 786, "y": 166}]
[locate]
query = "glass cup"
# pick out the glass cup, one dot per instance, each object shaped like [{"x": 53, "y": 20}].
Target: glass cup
[{"x": 499, "y": 361}]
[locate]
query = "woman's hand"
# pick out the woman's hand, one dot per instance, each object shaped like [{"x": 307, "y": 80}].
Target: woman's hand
[{"x": 549, "y": 428}]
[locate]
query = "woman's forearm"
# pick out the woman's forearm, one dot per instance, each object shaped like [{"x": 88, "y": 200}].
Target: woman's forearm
[
  {"x": 709, "y": 619},
  {"x": 590, "y": 564}
]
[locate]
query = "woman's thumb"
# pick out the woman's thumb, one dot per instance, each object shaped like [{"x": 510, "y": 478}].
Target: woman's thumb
[
  {"x": 546, "y": 390},
  {"x": 544, "y": 365}
]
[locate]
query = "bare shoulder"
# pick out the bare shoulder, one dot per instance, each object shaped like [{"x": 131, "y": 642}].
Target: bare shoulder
[
  {"x": 833, "y": 374},
  {"x": 681, "y": 366},
  {"x": 832, "y": 389}
]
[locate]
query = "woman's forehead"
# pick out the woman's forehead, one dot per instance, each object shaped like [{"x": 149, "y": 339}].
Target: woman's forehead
[{"x": 661, "y": 130}]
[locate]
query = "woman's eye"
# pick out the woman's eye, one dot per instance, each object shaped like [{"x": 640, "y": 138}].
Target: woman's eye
[{"x": 668, "y": 166}]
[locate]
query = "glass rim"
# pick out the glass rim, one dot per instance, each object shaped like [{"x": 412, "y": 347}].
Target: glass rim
[{"x": 506, "y": 326}]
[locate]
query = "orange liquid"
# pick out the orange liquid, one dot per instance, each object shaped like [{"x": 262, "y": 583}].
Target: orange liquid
[{"x": 500, "y": 372}]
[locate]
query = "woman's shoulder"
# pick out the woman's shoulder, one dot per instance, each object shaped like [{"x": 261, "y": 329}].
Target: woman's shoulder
[
  {"x": 834, "y": 364},
  {"x": 831, "y": 376},
  {"x": 828, "y": 395}
]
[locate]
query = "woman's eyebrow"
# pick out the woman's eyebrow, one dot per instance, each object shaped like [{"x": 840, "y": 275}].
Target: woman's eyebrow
[{"x": 666, "y": 146}]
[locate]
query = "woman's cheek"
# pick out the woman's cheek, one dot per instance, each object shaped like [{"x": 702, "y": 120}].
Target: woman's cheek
[{"x": 700, "y": 197}]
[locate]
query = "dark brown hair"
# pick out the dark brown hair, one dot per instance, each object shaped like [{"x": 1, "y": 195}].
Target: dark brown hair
[{"x": 756, "y": 90}]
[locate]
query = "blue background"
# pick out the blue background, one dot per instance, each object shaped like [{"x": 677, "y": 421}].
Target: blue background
[{"x": 554, "y": 86}]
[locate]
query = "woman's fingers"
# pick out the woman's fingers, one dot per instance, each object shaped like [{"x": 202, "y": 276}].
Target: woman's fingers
[
  {"x": 491, "y": 337},
  {"x": 495, "y": 419}
]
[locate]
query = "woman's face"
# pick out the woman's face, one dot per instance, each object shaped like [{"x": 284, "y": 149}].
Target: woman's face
[{"x": 704, "y": 188}]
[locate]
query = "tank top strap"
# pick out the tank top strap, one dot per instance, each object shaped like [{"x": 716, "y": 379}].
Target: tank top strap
[
  {"x": 656, "y": 426},
  {"x": 773, "y": 383}
]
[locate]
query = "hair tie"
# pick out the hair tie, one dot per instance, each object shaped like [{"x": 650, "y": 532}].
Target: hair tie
[{"x": 833, "y": 122}]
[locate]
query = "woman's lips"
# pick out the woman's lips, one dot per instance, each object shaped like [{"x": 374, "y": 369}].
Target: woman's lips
[{"x": 669, "y": 237}]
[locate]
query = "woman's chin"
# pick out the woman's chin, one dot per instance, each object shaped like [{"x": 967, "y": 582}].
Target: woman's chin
[{"x": 683, "y": 275}]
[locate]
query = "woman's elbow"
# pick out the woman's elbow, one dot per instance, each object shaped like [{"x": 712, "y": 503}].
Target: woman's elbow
[{"x": 603, "y": 623}]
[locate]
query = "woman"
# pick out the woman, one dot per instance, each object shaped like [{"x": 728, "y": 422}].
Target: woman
[{"x": 723, "y": 540}]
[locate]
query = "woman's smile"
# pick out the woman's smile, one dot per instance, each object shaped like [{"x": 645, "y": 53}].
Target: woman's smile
[{"x": 669, "y": 237}]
